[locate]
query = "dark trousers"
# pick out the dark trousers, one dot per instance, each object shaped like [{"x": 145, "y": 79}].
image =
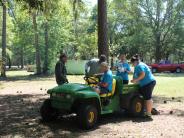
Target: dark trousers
[
  {"x": 125, "y": 81},
  {"x": 147, "y": 90}
]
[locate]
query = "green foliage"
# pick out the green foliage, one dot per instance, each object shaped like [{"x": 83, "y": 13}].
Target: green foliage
[
  {"x": 66, "y": 33},
  {"x": 133, "y": 27},
  {"x": 32, "y": 4}
]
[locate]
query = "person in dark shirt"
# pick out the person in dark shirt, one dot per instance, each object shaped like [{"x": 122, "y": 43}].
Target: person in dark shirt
[{"x": 60, "y": 70}]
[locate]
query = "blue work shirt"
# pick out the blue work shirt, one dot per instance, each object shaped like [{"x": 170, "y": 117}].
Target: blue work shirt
[
  {"x": 126, "y": 66},
  {"x": 107, "y": 78},
  {"x": 142, "y": 67}
]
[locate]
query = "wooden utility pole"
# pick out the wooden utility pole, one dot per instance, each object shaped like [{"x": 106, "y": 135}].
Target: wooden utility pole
[
  {"x": 102, "y": 28},
  {"x": 3, "y": 69}
]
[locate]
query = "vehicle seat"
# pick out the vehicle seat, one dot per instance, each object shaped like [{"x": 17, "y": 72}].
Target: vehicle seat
[{"x": 112, "y": 92}]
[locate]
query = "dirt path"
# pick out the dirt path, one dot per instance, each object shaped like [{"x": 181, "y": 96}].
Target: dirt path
[{"x": 20, "y": 101}]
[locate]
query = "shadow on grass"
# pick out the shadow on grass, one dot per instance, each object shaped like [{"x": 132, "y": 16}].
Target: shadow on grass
[
  {"x": 27, "y": 78},
  {"x": 19, "y": 115}
]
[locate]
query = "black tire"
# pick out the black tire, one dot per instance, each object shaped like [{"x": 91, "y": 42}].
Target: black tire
[
  {"x": 47, "y": 112},
  {"x": 154, "y": 70},
  {"x": 136, "y": 106},
  {"x": 87, "y": 116},
  {"x": 178, "y": 70}
]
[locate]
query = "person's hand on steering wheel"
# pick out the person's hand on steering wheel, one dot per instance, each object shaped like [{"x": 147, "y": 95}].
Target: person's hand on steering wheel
[{"x": 91, "y": 80}]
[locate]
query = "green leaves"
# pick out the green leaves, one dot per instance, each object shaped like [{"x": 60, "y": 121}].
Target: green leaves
[
  {"x": 72, "y": 28},
  {"x": 32, "y": 4},
  {"x": 134, "y": 26}
]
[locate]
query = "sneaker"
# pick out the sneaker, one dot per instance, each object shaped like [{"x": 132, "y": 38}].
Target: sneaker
[
  {"x": 155, "y": 112},
  {"x": 147, "y": 116}
]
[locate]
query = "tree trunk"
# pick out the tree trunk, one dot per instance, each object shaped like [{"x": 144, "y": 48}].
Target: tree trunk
[
  {"x": 158, "y": 48},
  {"x": 9, "y": 62},
  {"x": 111, "y": 54},
  {"x": 3, "y": 70},
  {"x": 22, "y": 57},
  {"x": 102, "y": 28},
  {"x": 45, "y": 68},
  {"x": 38, "y": 62}
]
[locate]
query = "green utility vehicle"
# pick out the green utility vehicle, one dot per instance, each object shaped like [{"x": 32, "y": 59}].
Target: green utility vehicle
[{"x": 83, "y": 101}]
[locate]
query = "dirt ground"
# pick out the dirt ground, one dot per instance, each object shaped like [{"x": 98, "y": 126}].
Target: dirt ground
[{"x": 21, "y": 98}]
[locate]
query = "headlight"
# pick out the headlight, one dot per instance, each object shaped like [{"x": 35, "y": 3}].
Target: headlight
[
  {"x": 68, "y": 96},
  {"x": 53, "y": 94},
  {"x": 61, "y": 95}
]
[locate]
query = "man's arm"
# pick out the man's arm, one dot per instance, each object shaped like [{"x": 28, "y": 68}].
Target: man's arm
[
  {"x": 87, "y": 66},
  {"x": 57, "y": 70}
]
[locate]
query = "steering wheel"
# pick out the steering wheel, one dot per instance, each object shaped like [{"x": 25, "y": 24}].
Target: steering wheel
[{"x": 91, "y": 80}]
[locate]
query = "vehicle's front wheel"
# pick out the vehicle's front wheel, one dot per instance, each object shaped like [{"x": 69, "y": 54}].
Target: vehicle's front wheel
[
  {"x": 178, "y": 70},
  {"x": 136, "y": 106},
  {"x": 47, "y": 112},
  {"x": 87, "y": 116}
]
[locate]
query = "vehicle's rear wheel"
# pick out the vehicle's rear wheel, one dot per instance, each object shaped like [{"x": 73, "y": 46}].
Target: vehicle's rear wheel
[
  {"x": 178, "y": 70},
  {"x": 136, "y": 106},
  {"x": 154, "y": 70},
  {"x": 47, "y": 112},
  {"x": 87, "y": 116}
]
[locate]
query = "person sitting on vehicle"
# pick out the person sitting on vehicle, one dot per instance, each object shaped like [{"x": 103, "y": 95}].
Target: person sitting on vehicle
[
  {"x": 105, "y": 85},
  {"x": 60, "y": 70},
  {"x": 144, "y": 77},
  {"x": 123, "y": 69},
  {"x": 93, "y": 65}
]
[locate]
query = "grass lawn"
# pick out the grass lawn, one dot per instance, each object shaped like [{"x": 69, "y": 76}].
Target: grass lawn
[
  {"x": 1, "y": 86},
  {"x": 19, "y": 73},
  {"x": 168, "y": 84}
]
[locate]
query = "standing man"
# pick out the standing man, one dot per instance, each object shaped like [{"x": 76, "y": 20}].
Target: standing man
[
  {"x": 147, "y": 82},
  {"x": 60, "y": 70},
  {"x": 92, "y": 67},
  {"x": 123, "y": 69}
]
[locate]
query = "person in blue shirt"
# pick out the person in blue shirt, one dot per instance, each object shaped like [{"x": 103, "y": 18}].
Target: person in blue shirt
[
  {"x": 144, "y": 77},
  {"x": 123, "y": 69},
  {"x": 105, "y": 85}
]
